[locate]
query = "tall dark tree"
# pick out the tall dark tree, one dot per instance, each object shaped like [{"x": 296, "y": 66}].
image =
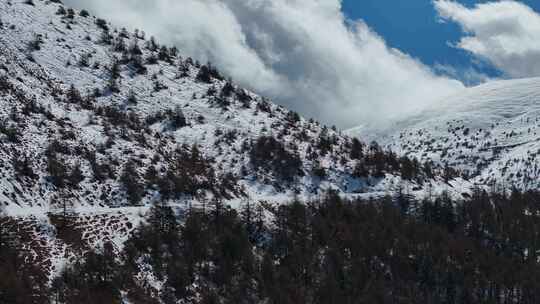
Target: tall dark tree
[{"x": 131, "y": 181}]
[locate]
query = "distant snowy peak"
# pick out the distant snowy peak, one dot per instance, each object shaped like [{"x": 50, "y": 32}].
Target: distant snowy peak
[{"x": 491, "y": 132}]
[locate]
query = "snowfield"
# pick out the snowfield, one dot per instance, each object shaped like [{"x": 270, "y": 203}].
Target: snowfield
[{"x": 491, "y": 132}]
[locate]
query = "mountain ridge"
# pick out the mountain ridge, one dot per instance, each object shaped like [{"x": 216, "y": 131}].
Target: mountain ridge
[{"x": 489, "y": 131}]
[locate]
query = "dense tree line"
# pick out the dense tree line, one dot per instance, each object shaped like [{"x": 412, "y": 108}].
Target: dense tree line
[
  {"x": 387, "y": 250},
  {"x": 21, "y": 281}
]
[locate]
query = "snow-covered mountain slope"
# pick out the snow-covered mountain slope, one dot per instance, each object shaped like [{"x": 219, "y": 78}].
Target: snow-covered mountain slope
[
  {"x": 81, "y": 100},
  {"x": 97, "y": 124},
  {"x": 490, "y": 132}
]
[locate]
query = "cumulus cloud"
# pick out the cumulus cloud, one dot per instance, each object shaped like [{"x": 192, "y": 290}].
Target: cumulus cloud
[
  {"x": 506, "y": 33},
  {"x": 303, "y": 54}
]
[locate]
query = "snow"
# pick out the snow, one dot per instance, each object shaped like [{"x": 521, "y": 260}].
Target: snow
[
  {"x": 103, "y": 212},
  {"x": 51, "y": 72},
  {"x": 492, "y": 131}
]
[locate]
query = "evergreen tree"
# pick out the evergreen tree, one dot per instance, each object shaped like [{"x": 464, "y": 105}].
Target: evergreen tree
[
  {"x": 73, "y": 95},
  {"x": 76, "y": 175},
  {"x": 131, "y": 182}
]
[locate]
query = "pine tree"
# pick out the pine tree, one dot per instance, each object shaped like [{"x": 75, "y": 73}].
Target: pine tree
[
  {"x": 57, "y": 171},
  {"x": 114, "y": 76},
  {"x": 76, "y": 175},
  {"x": 131, "y": 182},
  {"x": 164, "y": 55},
  {"x": 204, "y": 75},
  {"x": 73, "y": 95},
  {"x": 177, "y": 118}
]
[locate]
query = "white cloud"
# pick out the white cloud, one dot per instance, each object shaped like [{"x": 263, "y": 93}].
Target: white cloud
[
  {"x": 506, "y": 33},
  {"x": 467, "y": 75},
  {"x": 301, "y": 53}
]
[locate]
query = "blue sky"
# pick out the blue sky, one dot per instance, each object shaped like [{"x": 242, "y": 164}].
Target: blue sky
[{"x": 412, "y": 26}]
